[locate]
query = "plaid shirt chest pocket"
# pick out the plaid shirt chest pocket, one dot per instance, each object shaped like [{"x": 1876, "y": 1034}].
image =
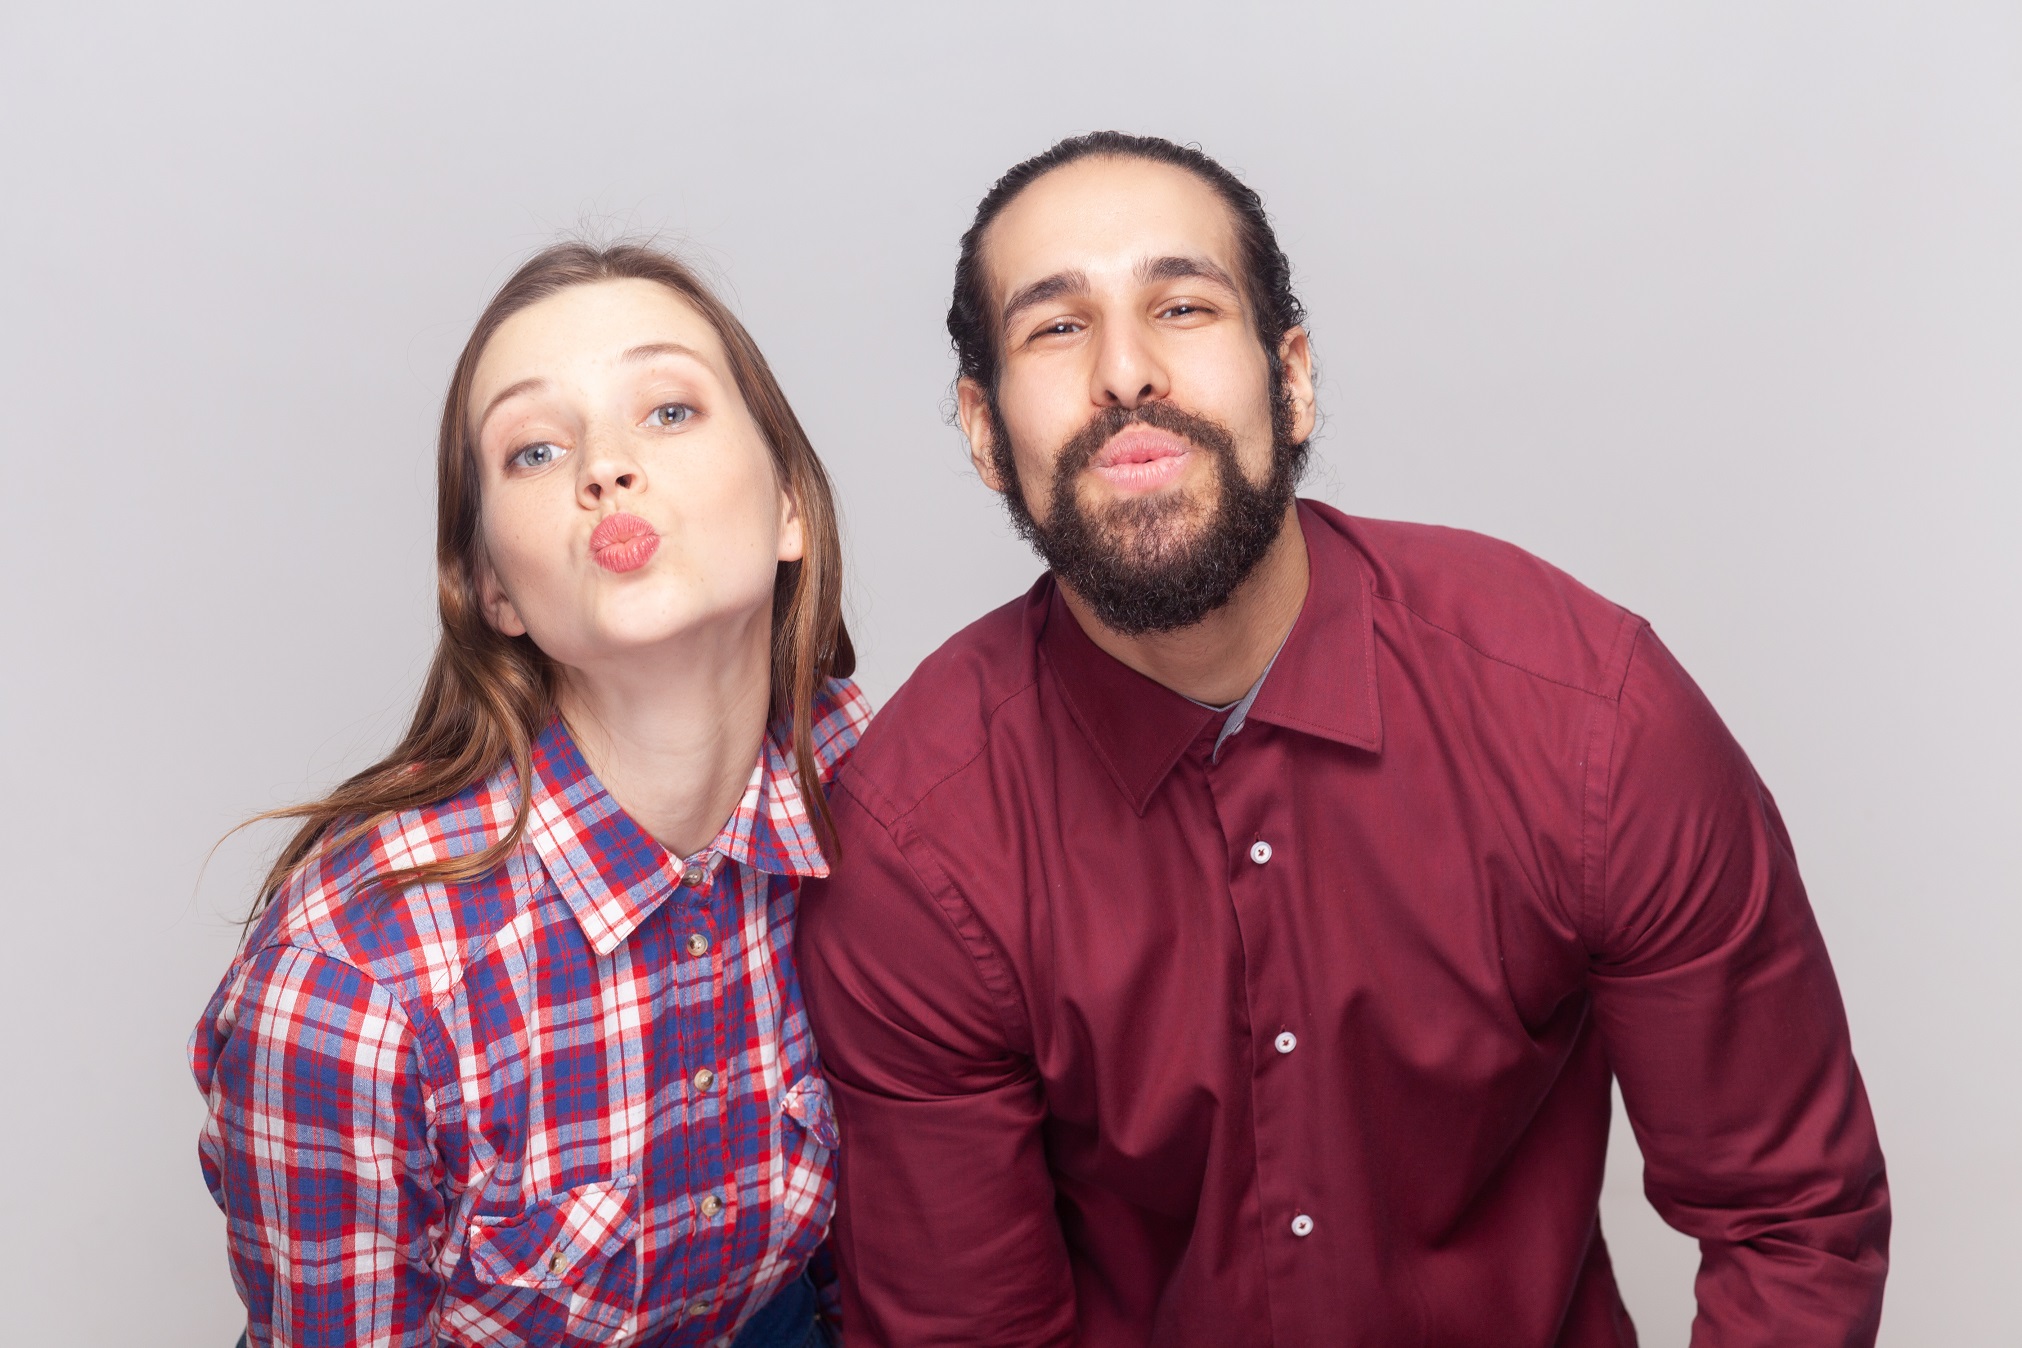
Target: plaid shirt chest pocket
[{"x": 564, "y": 1266}]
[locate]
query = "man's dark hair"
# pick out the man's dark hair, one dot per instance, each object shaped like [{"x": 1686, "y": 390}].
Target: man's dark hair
[{"x": 1266, "y": 275}]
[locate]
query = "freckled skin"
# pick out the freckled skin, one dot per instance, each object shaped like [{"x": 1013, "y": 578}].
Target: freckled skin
[{"x": 614, "y": 440}]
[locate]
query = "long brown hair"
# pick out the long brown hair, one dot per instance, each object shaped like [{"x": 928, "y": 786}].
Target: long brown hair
[{"x": 488, "y": 696}]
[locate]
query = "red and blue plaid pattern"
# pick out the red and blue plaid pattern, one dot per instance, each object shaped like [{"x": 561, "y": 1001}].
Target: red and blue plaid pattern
[{"x": 574, "y": 1101}]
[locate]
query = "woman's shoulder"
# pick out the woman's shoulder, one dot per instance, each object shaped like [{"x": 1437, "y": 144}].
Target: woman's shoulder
[
  {"x": 345, "y": 899},
  {"x": 840, "y": 714}
]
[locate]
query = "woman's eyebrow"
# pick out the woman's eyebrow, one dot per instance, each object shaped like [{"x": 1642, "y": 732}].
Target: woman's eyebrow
[
  {"x": 644, "y": 351},
  {"x": 649, "y": 350},
  {"x": 509, "y": 391}
]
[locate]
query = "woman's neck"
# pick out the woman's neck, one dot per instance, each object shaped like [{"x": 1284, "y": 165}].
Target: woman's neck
[{"x": 673, "y": 737}]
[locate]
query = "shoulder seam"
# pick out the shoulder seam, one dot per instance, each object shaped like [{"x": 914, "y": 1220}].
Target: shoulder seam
[
  {"x": 1596, "y": 799},
  {"x": 319, "y": 951},
  {"x": 423, "y": 1036},
  {"x": 1014, "y": 1026},
  {"x": 465, "y": 953},
  {"x": 1492, "y": 656},
  {"x": 852, "y": 779}
]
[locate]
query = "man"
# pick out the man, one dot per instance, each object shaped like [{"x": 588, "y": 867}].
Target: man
[{"x": 1233, "y": 939}]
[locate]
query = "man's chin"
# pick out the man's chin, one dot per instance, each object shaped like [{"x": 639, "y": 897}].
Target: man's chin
[{"x": 1177, "y": 511}]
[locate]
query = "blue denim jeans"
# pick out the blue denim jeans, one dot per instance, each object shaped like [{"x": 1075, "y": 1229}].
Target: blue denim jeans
[{"x": 787, "y": 1321}]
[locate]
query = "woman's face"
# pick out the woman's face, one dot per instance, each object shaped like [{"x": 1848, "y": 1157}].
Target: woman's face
[{"x": 630, "y": 506}]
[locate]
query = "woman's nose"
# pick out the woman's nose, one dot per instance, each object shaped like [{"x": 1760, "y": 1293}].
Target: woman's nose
[
  {"x": 608, "y": 467},
  {"x": 598, "y": 484}
]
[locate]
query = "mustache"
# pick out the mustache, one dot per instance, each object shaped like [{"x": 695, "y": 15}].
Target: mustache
[{"x": 1082, "y": 447}]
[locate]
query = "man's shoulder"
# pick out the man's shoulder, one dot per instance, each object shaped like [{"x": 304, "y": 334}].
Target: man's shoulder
[
  {"x": 1491, "y": 600},
  {"x": 940, "y": 719}
]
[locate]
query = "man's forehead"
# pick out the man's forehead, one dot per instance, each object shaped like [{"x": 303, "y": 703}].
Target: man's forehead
[{"x": 1105, "y": 218}]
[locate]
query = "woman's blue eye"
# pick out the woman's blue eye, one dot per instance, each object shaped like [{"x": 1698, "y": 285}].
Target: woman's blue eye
[
  {"x": 672, "y": 414},
  {"x": 538, "y": 455}
]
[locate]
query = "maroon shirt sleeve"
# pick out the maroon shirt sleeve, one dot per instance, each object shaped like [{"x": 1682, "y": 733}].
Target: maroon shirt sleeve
[
  {"x": 1723, "y": 1023},
  {"x": 944, "y": 1218}
]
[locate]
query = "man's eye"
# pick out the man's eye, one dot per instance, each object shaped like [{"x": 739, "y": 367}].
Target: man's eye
[
  {"x": 1183, "y": 309},
  {"x": 671, "y": 414},
  {"x": 537, "y": 455}
]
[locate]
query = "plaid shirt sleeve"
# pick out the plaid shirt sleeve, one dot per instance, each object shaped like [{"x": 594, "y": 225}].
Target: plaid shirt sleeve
[{"x": 317, "y": 1148}]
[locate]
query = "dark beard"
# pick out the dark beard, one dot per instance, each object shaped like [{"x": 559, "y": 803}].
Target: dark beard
[{"x": 1132, "y": 563}]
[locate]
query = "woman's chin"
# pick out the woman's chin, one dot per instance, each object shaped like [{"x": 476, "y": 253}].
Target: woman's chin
[{"x": 660, "y": 637}]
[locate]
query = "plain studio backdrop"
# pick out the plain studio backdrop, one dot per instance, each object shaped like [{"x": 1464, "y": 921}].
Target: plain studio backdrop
[{"x": 1716, "y": 305}]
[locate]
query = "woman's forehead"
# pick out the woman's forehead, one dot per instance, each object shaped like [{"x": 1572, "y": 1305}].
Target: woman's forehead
[{"x": 597, "y": 323}]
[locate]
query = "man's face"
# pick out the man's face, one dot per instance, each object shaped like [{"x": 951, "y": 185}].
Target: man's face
[{"x": 1136, "y": 432}]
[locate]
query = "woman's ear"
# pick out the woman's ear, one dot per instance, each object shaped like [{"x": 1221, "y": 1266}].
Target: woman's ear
[
  {"x": 792, "y": 536},
  {"x": 498, "y": 606}
]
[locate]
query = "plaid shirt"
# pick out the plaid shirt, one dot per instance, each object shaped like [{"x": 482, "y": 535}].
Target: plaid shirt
[{"x": 574, "y": 1101}]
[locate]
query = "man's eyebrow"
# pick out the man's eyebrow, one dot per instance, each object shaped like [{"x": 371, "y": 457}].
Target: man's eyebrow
[
  {"x": 1152, "y": 269},
  {"x": 1040, "y": 291},
  {"x": 1183, "y": 268}
]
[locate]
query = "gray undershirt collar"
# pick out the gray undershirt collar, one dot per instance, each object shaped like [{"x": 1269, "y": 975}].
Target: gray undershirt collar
[{"x": 1239, "y": 710}]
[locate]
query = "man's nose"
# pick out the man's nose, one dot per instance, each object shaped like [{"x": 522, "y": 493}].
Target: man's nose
[{"x": 1128, "y": 371}]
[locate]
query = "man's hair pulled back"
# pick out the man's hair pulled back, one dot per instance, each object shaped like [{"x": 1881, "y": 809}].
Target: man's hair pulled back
[{"x": 1266, "y": 275}]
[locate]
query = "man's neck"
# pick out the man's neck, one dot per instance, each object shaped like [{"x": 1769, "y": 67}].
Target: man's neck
[{"x": 1219, "y": 658}]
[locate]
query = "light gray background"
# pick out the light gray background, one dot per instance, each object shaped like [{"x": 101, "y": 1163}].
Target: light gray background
[{"x": 1717, "y": 305}]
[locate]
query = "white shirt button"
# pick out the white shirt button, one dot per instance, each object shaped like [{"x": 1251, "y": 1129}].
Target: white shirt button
[
  {"x": 1285, "y": 1042},
  {"x": 694, "y": 877},
  {"x": 704, "y": 1079},
  {"x": 698, "y": 944},
  {"x": 711, "y": 1205},
  {"x": 1302, "y": 1225},
  {"x": 1260, "y": 851}
]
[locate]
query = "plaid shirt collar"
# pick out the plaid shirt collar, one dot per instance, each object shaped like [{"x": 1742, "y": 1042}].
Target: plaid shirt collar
[{"x": 613, "y": 874}]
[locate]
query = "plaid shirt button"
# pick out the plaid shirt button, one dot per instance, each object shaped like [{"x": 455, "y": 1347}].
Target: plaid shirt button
[
  {"x": 698, "y": 944},
  {"x": 711, "y": 1205},
  {"x": 704, "y": 1079},
  {"x": 694, "y": 877}
]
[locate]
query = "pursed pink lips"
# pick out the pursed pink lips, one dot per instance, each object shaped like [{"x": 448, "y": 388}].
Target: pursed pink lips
[
  {"x": 1141, "y": 458},
  {"x": 623, "y": 543}
]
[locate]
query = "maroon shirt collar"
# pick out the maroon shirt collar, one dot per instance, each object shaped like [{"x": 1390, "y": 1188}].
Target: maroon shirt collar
[{"x": 1324, "y": 681}]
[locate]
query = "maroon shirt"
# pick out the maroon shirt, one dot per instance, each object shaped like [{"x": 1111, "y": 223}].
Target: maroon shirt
[{"x": 1311, "y": 1044}]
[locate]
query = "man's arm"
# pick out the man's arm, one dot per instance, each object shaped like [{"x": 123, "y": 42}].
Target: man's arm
[
  {"x": 945, "y": 1224},
  {"x": 1722, "y": 1020}
]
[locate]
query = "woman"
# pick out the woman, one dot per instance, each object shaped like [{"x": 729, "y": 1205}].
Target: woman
[{"x": 515, "y": 1053}]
